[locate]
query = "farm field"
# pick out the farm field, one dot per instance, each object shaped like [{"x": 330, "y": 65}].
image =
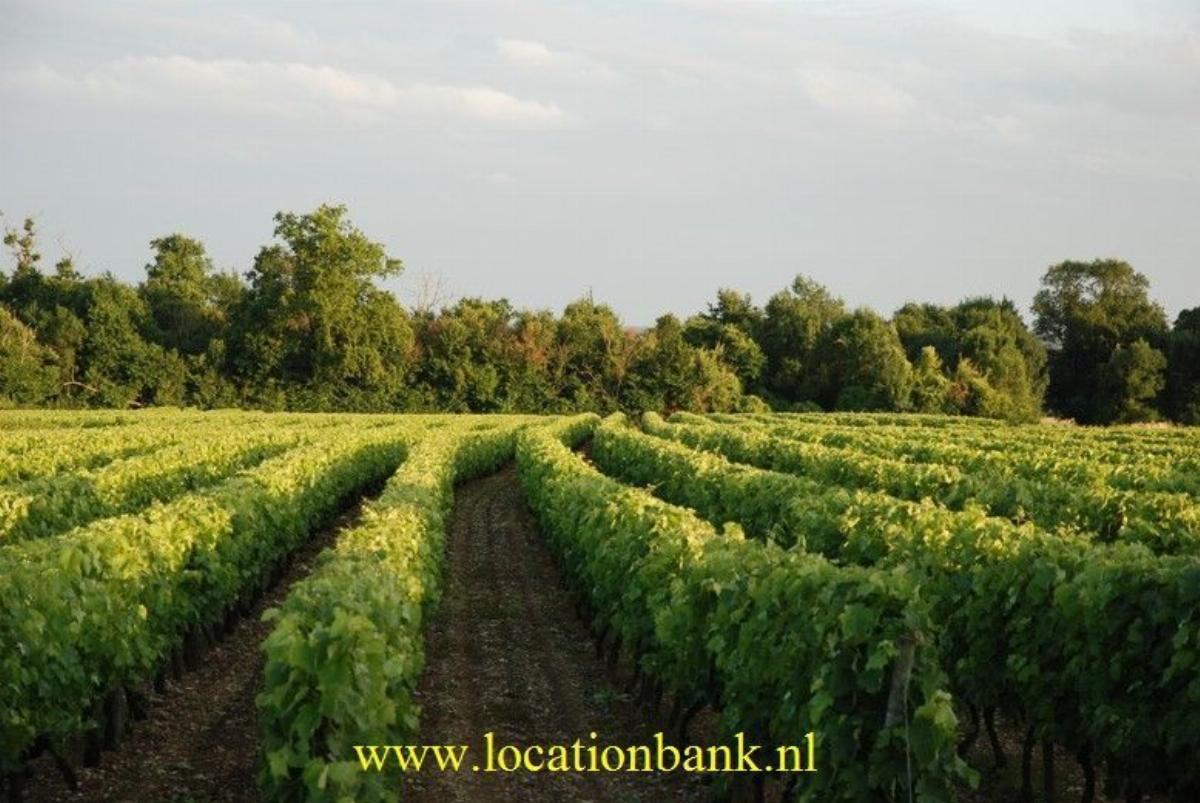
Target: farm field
[{"x": 204, "y": 606}]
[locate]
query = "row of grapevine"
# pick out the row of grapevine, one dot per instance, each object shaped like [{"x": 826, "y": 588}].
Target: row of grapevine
[
  {"x": 101, "y": 608},
  {"x": 57, "y": 503},
  {"x": 1167, "y": 523},
  {"x": 49, "y": 452},
  {"x": 48, "y": 422},
  {"x": 21, "y": 420},
  {"x": 953, "y": 426},
  {"x": 41, "y": 444},
  {"x": 1125, "y": 469},
  {"x": 1104, "y": 445},
  {"x": 1026, "y": 621},
  {"x": 32, "y": 457},
  {"x": 908, "y": 420},
  {"x": 778, "y": 642},
  {"x": 1094, "y": 646},
  {"x": 346, "y": 651}
]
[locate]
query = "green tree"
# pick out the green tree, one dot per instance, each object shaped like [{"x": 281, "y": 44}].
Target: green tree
[
  {"x": 64, "y": 332},
  {"x": 930, "y": 386},
  {"x": 536, "y": 373},
  {"x": 1084, "y": 311},
  {"x": 594, "y": 352},
  {"x": 1183, "y": 368},
  {"x": 64, "y": 270},
  {"x": 23, "y": 244},
  {"x": 26, "y": 292},
  {"x": 463, "y": 354},
  {"x": 970, "y": 392},
  {"x": 863, "y": 364},
  {"x": 733, "y": 345},
  {"x": 96, "y": 328},
  {"x": 28, "y": 375},
  {"x": 121, "y": 368},
  {"x": 921, "y": 325},
  {"x": 736, "y": 309},
  {"x": 313, "y": 323},
  {"x": 670, "y": 374},
  {"x": 52, "y": 307},
  {"x": 795, "y": 323},
  {"x": 1132, "y": 379},
  {"x": 994, "y": 337},
  {"x": 184, "y": 295}
]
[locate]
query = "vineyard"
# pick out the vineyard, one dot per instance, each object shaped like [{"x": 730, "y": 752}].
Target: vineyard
[{"x": 958, "y": 609}]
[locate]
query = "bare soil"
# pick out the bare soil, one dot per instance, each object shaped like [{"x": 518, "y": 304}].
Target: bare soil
[
  {"x": 1002, "y": 784},
  {"x": 507, "y": 654}
]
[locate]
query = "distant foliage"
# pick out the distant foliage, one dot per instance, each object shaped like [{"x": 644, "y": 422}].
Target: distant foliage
[
  {"x": 27, "y": 370},
  {"x": 308, "y": 328},
  {"x": 1183, "y": 368},
  {"x": 1093, "y": 315}
]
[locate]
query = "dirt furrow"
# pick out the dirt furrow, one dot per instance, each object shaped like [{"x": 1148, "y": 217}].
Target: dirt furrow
[{"x": 507, "y": 635}]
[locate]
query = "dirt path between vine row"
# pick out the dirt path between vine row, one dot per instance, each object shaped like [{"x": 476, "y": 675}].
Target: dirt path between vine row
[
  {"x": 200, "y": 742},
  {"x": 507, "y": 654}
]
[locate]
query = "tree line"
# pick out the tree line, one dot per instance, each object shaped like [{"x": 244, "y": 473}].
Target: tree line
[{"x": 307, "y": 328}]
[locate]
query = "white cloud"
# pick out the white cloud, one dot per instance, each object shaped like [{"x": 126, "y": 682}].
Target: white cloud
[
  {"x": 853, "y": 91},
  {"x": 524, "y": 51},
  {"x": 491, "y": 105},
  {"x": 530, "y": 54},
  {"x": 938, "y": 133},
  {"x": 248, "y": 30},
  {"x": 280, "y": 88},
  {"x": 497, "y": 177},
  {"x": 1008, "y": 128}
]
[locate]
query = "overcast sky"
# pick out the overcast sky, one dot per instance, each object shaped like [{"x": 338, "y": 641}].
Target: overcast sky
[{"x": 650, "y": 151}]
